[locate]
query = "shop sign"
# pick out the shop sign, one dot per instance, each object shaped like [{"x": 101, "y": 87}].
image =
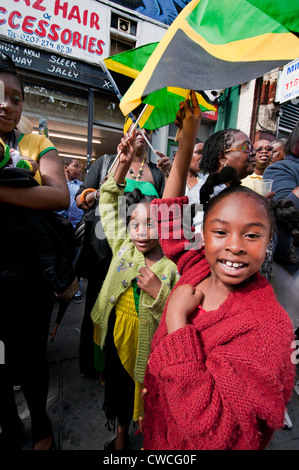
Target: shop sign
[
  {"x": 53, "y": 64},
  {"x": 288, "y": 84},
  {"x": 71, "y": 28}
]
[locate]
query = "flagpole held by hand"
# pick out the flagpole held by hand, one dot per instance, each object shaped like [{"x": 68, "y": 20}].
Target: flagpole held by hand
[
  {"x": 130, "y": 133},
  {"x": 131, "y": 115}
]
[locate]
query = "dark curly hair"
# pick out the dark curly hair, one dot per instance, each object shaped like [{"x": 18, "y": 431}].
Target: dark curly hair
[
  {"x": 7, "y": 65},
  {"x": 227, "y": 175},
  {"x": 292, "y": 140},
  {"x": 133, "y": 198},
  {"x": 287, "y": 217},
  {"x": 214, "y": 147}
]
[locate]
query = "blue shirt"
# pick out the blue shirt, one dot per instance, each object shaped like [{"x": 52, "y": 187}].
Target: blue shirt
[
  {"x": 73, "y": 213},
  {"x": 285, "y": 176}
]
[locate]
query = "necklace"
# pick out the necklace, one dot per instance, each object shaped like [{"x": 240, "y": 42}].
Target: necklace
[{"x": 140, "y": 170}]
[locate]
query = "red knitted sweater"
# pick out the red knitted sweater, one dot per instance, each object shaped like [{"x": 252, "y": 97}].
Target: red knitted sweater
[{"x": 223, "y": 381}]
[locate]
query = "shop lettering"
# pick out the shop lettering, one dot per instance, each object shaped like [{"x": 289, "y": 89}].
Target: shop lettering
[
  {"x": 64, "y": 72},
  {"x": 293, "y": 68},
  {"x": 74, "y": 14},
  {"x": 37, "y": 5},
  {"x": 61, "y": 61},
  {"x": 9, "y": 48},
  {"x": 292, "y": 84},
  {"x": 22, "y": 60},
  {"x": 43, "y": 29},
  {"x": 26, "y": 61},
  {"x": 32, "y": 52}
]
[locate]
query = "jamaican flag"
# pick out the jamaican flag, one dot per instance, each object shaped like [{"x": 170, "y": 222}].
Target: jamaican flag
[
  {"x": 131, "y": 62},
  {"x": 162, "y": 105},
  {"x": 216, "y": 44}
]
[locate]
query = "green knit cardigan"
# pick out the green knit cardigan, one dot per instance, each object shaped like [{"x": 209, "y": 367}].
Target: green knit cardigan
[{"x": 124, "y": 268}]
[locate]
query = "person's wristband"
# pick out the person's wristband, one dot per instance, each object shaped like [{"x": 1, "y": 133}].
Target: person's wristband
[
  {"x": 24, "y": 164},
  {"x": 85, "y": 192},
  {"x": 6, "y": 156}
]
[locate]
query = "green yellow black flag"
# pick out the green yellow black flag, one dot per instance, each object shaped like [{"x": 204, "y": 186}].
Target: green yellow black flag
[
  {"x": 162, "y": 105},
  {"x": 131, "y": 62},
  {"x": 216, "y": 44}
]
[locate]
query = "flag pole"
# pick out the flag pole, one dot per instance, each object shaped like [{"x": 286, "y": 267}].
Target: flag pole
[
  {"x": 131, "y": 115},
  {"x": 130, "y": 133}
]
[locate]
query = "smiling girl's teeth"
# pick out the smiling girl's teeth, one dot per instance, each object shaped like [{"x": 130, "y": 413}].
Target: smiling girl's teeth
[{"x": 229, "y": 264}]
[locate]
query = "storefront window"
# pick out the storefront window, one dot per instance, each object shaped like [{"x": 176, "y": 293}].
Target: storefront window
[
  {"x": 106, "y": 110},
  {"x": 66, "y": 118},
  {"x": 55, "y": 104}
]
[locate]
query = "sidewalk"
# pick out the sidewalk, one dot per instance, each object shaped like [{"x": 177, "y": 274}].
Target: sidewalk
[{"x": 75, "y": 403}]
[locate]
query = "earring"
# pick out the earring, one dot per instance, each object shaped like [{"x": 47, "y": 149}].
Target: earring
[{"x": 223, "y": 163}]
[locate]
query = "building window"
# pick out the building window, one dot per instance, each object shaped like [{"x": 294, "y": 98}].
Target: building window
[
  {"x": 288, "y": 118},
  {"x": 66, "y": 118},
  {"x": 125, "y": 25}
]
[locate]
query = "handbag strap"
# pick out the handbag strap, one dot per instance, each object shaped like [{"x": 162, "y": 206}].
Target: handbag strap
[{"x": 106, "y": 163}]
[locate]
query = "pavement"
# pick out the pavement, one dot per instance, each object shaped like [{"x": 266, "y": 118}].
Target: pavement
[{"x": 75, "y": 402}]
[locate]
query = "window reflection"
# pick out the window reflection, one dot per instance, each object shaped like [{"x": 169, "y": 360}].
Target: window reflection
[
  {"x": 55, "y": 104},
  {"x": 66, "y": 117}
]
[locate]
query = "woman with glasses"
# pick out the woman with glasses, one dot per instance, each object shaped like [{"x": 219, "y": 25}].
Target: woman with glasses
[{"x": 229, "y": 147}]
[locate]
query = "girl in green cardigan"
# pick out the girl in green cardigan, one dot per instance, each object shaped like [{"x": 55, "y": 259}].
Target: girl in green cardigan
[{"x": 133, "y": 296}]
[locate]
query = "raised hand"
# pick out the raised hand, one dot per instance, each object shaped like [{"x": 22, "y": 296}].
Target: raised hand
[
  {"x": 188, "y": 118},
  {"x": 125, "y": 150},
  {"x": 163, "y": 163}
]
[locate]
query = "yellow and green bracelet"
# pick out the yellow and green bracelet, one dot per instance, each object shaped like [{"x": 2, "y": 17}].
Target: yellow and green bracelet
[{"x": 6, "y": 156}]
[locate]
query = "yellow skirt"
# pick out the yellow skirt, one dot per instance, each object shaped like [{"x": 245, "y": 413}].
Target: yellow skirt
[{"x": 126, "y": 333}]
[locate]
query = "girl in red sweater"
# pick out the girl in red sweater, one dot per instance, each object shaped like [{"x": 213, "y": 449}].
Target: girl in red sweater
[{"x": 220, "y": 372}]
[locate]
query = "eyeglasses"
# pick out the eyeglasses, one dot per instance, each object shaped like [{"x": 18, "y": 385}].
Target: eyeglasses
[
  {"x": 146, "y": 131},
  {"x": 244, "y": 148},
  {"x": 267, "y": 148}
]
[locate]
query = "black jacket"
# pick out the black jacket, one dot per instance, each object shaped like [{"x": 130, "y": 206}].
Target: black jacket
[
  {"x": 37, "y": 238},
  {"x": 101, "y": 166}
]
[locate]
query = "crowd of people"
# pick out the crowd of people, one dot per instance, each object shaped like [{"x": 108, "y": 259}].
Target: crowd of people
[{"x": 193, "y": 332}]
